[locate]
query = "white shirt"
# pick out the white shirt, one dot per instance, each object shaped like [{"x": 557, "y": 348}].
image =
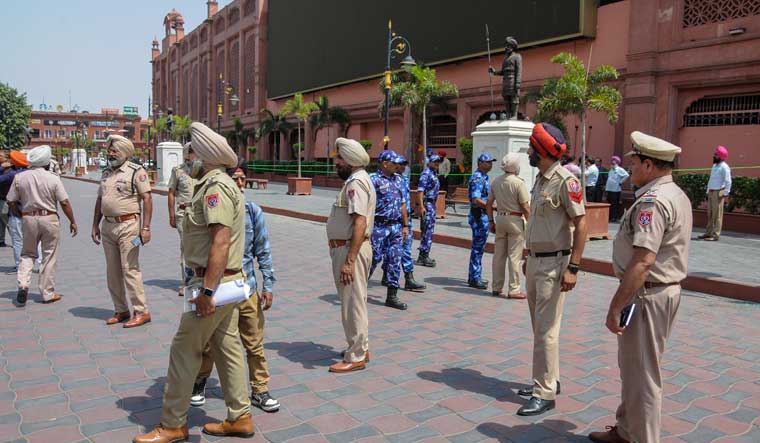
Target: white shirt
[
  {"x": 617, "y": 176},
  {"x": 445, "y": 168},
  {"x": 592, "y": 175},
  {"x": 720, "y": 178}
]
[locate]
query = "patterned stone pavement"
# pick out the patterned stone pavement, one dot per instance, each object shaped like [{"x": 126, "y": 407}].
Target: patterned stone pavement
[{"x": 444, "y": 371}]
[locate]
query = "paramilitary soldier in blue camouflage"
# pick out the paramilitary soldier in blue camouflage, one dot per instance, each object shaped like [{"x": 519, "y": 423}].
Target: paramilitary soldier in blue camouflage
[
  {"x": 407, "y": 263},
  {"x": 391, "y": 225},
  {"x": 427, "y": 192},
  {"x": 478, "y": 190}
]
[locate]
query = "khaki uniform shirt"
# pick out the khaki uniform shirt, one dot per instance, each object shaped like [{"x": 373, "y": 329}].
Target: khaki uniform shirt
[
  {"x": 37, "y": 189},
  {"x": 216, "y": 200},
  {"x": 120, "y": 189},
  {"x": 557, "y": 199},
  {"x": 509, "y": 192},
  {"x": 660, "y": 221},
  {"x": 182, "y": 184},
  {"x": 356, "y": 197}
]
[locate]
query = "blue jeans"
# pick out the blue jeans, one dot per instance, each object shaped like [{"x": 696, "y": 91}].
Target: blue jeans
[{"x": 17, "y": 238}]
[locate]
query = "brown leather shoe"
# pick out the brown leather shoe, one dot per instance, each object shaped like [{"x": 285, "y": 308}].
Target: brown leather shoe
[
  {"x": 518, "y": 296},
  {"x": 163, "y": 435},
  {"x": 118, "y": 317},
  {"x": 608, "y": 436},
  {"x": 55, "y": 298},
  {"x": 345, "y": 366},
  {"x": 242, "y": 427},
  {"x": 139, "y": 319}
]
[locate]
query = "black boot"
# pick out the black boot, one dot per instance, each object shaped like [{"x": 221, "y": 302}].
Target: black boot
[
  {"x": 392, "y": 301},
  {"x": 479, "y": 284},
  {"x": 425, "y": 260},
  {"x": 21, "y": 296},
  {"x": 384, "y": 281},
  {"x": 410, "y": 284}
]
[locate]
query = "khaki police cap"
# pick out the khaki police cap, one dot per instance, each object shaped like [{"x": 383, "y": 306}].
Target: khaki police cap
[{"x": 652, "y": 147}]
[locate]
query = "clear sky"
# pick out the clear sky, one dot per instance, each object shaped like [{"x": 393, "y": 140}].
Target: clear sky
[{"x": 97, "y": 49}]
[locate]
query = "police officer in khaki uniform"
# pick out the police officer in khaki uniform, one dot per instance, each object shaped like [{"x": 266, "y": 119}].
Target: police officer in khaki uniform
[
  {"x": 36, "y": 194},
  {"x": 180, "y": 193},
  {"x": 554, "y": 240},
  {"x": 123, "y": 187},
  {"x": 650, "y": 256},
  {"x": 213, "y": 233},
  {"x": 349, "y": 227},
  {"x": 510, "y": 194}
]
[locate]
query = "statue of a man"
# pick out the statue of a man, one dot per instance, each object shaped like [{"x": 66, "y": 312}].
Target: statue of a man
[{"x": 511, "y": 70}]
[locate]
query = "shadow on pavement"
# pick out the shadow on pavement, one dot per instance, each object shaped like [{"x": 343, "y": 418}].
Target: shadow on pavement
[
  {"x": 474, "y": 381},
  {"x": 11, "y": 295},
  {"x": 458, "y": 285},
  {"x": 90, "y": 312},
  {"x": 330, "y": 298},
  {"x": 164, "y": 283},
  {"x": 554, "y": 430},
  {"x": 309, "y": 354}
]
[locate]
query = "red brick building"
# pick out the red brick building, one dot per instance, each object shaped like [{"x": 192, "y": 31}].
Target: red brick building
[
  {"x": 58, "y": 129},
  {"x": 690, "y": 73}
]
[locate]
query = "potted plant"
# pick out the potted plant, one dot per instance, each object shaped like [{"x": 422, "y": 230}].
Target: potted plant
[{"x": 300, "y": 110}]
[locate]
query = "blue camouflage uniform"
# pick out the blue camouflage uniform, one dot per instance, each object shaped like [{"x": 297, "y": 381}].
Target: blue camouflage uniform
[
  {"x": 429, "y": 186},
  {"x": 387, "y": 236},
  {"x": 406, "y": 257},
  {"x": 478, "y": 187}
]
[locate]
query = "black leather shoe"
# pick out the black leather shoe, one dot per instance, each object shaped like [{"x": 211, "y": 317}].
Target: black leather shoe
[
  {"x": 392, "y": 300},
  {"x": 536, "y": 406},
  {"x": 21, "y": 296},
  {"x": 482, "y": 284},
  {"x": 425, "y": 260},
  {"x": 384, "y": 281},
  {"x": 528, "y": 392}
]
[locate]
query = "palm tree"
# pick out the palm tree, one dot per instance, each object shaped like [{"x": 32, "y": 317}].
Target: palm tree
[
  {"x": 326, "y": 116},
  {"x": 421, "y": 89},
  {"x": 181, "y": 128},
  {"x": 161, "y": 127},
  {"x": 579, "y": 90},
  {"x": 274, "y": 124},
  {"x": 549, "y": 116},
  {"x": 301, "y": 111}
]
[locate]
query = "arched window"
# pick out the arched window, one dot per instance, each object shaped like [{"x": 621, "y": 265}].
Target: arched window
[
  {"x": 724, "y": 111},
  {"x": 442, "y": 132}
]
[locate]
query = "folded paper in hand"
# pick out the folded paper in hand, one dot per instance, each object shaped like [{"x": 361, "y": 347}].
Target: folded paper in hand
[{"x": 231, "y": 292}]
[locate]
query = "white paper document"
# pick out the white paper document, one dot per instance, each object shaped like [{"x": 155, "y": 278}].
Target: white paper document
[{"x": 231, "y": 292}]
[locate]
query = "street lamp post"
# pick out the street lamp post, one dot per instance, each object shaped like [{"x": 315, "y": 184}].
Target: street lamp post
[
  {"x": 401, "y": 45},
  {"x": 221, "y": 91}
]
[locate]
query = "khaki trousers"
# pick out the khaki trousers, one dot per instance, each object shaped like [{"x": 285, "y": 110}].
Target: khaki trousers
[
  {"x": 179, "y": 217},
  {"x": 122, "y": 265},
  {"x": 545, "y": 301},
  {"x": 251, "y": 327},
  {"x": 353, "y": 300},
  {"x": 508, "y": 244},
  {"x": 640, "y": 350},
  {"x": 45, "y": 230},
  {"x": 220, "y": 330},
  {"x": 714, "y": 212}
]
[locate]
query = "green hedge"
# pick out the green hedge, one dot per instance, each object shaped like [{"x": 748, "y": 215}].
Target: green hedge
[{"x": 745, "y": 191}]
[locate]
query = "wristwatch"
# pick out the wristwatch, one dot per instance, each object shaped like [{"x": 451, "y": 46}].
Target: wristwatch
[
  {"x": 573, "y": 268},
  {"x": 208, "y": 292}
]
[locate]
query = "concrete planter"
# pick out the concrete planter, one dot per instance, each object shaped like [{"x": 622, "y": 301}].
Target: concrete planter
[
  {"x": 597, "y": 219},
  {"x": 299, "y": 186},
  {"x": 732, "y": 221},
  {"x": 440, "y": 204}
]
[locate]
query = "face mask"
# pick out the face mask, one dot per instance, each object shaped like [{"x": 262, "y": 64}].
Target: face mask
[
  {"x": 534, "y": 159},
  {"x": 344, "y": 173}
]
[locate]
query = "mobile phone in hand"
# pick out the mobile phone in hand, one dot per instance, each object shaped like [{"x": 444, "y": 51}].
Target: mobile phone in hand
[
  {"x": 627, "y": 314},
  {"x": 137, "y": 241}
]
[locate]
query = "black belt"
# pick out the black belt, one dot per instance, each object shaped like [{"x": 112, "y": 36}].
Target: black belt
[
  {"x": 380, "y": 220},
  {"x": 654, "y": 284},
  {"x": 564, "y": 252}
]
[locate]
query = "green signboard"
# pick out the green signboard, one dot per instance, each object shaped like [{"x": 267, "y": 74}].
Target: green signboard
[{"x": 130, "y": 110}]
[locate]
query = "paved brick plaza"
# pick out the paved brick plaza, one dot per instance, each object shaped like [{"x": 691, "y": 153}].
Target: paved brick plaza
[{"x": 446, "y": 370}]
